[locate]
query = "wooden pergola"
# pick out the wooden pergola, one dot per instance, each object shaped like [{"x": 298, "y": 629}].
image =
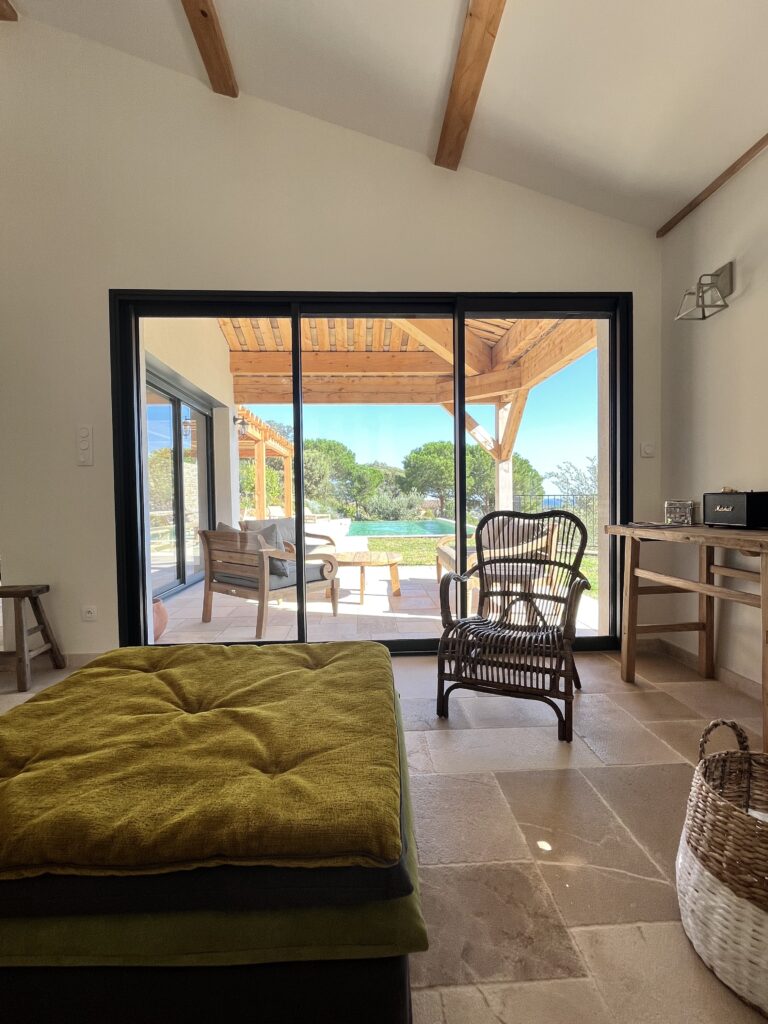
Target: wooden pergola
[
  {"x": 376, "y": 361},
  {"x": 259, "y": 441}
]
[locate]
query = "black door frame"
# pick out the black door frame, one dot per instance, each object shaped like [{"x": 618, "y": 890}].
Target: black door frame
[
  {"x": 127, "y": 307},
  {"x": 178, "y": 398}
]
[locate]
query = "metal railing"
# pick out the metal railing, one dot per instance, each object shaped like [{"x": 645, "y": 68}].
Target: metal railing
[{"x": 582, "y": 505}]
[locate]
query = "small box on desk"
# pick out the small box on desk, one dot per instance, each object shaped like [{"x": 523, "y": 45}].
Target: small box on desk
[{"x": 746, "y": 510}]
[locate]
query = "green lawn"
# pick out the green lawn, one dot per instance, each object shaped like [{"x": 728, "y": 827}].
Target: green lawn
[{"x": 423, "y": 551}]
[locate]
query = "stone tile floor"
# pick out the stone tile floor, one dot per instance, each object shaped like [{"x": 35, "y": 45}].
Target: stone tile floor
[
  {"x": 413, "y": 615},
  {"x": 547, "y": 870}
]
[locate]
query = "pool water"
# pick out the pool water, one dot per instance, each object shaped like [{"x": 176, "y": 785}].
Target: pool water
[{"x": 402, "y": 528}]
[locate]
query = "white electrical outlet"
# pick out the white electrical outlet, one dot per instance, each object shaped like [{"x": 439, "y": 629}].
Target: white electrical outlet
[
  {"x": 89, "y": 613},
  {"x": 85, "y": 445}
]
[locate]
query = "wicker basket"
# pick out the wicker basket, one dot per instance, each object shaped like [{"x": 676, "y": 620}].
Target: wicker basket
[{"x": 722, "y": 867}]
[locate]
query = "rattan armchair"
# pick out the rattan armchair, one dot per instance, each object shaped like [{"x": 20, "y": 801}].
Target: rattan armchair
[{"x": 520, "y": 644}]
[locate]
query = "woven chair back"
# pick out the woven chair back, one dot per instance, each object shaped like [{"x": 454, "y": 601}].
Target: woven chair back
[{"x": 526, "y": 564}]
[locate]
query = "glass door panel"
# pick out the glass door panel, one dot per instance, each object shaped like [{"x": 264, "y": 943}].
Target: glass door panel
[
  {"x": 195, "y": 500},
  {"x": 537, "y": 432},
  {"x": 266, "y": 457},
  {"x": 163, "y": 525},
  {"x": 379, "y": 474}
]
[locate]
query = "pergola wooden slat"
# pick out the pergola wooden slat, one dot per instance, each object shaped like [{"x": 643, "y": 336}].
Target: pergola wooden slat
[
  {"x": 259, "y": 441},
  {"x": 408, "y": 361}
]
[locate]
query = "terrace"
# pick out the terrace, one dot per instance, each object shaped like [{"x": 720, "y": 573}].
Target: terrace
[{"x": 383, "y": 362}]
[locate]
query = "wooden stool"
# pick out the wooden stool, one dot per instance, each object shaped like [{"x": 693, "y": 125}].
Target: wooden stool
[{"x": 23, "y": 655}]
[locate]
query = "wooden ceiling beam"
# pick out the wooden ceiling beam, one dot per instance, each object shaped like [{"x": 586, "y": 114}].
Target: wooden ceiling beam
[
  {"x": 517, "y": 340},
  {"x": 512, "y": 425},
  {"x": 437, "y": 335},
  {"x": 477, "y": 38},
  {"x": 569, "y": 342},
  {"x": 336, "y": 390},
  {"x": 398, "y": 364},
  {"x": 484, "y": 385},
  {"x": 713, "y": 186},
  {"x": 479, "y": 433},
  {"x": 7, "y": 11},
  {"x": 204, "y": 21}
]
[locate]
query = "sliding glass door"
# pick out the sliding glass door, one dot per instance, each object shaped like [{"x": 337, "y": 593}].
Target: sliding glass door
[
  {"x": 364, "y": 436},
  {"x": 379, "y": 473},
  {"x": 178, "y": 475},
  {"x": 537, "y": 431}
]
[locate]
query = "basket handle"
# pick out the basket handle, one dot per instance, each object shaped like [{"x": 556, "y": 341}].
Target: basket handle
[{"x": 741, "y": 736}]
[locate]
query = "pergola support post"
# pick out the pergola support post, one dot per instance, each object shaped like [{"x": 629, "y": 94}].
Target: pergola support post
[{"x": 287, "y": 481}]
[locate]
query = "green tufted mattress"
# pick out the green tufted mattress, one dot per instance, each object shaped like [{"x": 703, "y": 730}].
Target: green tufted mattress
[
  {"x": 153, "y": 760},
  {"x": 377, "y": 929}
]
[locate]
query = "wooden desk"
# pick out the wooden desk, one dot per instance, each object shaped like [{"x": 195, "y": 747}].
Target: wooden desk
[{"x": 707, "y": 539}]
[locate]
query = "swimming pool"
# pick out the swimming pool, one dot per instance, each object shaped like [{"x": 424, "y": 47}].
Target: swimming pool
[{"x": 402, "y": 528}]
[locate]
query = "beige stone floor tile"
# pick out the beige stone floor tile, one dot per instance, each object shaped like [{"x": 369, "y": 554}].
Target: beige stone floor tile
[
  {"x": 427, "y": 1006},
  {"x": 615, "y": 736},
  {"x": 685, "y": 737},
  {"x": 653, "y": 706},
  {"x": 714, "y": 699},
  {"x": 417, "y": 752},
  {"x": 491, "y": 922},
  {"x": 565, "y": 821},
  {"x": 491, "y": 750},
  {"x": 485, "y": 711},
  {"x": 420, "y": 715},
  {"x": 599, "y": 673},
  {"x": 464, "y": 819},
  {"x": 589, "y": 895},
  {"x": 650, "y": 974},
  {"x": 659, "y": 669},
  {"x": 650, "y": 800},
  {"x": 568, "y": 1001}
]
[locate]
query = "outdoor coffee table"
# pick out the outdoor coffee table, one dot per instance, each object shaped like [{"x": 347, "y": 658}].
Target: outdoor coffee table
[{"x": 366, "y": 559}]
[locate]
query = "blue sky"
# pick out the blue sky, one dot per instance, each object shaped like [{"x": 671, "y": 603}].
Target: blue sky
[{"x": 559, "y": 423}]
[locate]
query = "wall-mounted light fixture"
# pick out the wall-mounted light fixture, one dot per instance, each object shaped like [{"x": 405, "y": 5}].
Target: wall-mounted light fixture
[
  {"x": 709, "y": 295},
  {"x": 242, "y": 425}
]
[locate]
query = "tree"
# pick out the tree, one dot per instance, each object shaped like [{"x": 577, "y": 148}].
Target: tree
[
  {"x": 430, "y": 470},
  {"x": 161, "y": 487},
  {"x": 527, "y": 485},
  {"x": 569, "y": 478},
  {"x": 481, "y": 480},
  {"x": 391, "y": 502},
  {"x": 317, "y": 479},
  {"x": 362, "y": 486}
]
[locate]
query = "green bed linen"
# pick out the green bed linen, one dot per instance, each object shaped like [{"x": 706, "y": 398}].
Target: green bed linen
[{"x": 382, "y": 929}]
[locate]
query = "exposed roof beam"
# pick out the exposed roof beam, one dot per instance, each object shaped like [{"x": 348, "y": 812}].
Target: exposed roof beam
[
  {"x": 480, "y": 27},
  {"x": 206, "y": 28},
  {"x": 8, "y": 11},
  {"x": 398, "y": 364},
  {"x": 484, "y": 385},
  {"x": 480, "y": 434},
  {"x": 437, "y": 335},
  {"x": 713, "y": 186},
  {"x": 335, "y": 390},
  {"x": 512, "y": 425},
  {"x": 572, "y": 340},
  {"x": 517, "y": 340}
]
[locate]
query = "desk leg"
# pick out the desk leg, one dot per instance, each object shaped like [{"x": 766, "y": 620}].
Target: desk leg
[
  {"x": 706, "y": 614},
  {"x": 629, "y": 612},
  {"x": 764, "y": 641}
]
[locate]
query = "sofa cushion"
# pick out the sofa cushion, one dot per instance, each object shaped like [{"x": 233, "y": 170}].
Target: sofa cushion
[{"x": 272, "y": 539}]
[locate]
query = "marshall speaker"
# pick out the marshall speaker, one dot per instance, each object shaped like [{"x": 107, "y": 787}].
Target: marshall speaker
[{"x": 745, "y": 509}]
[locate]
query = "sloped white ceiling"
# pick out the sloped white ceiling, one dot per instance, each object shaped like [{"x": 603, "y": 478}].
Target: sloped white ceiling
[{"x": 622, "y": 107}]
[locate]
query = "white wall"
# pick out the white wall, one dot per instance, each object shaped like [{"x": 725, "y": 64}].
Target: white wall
[
  {"x": 195, "y": 348},
  {"x": 715, "y": 426},
  {"x": 120, "y": 174}
]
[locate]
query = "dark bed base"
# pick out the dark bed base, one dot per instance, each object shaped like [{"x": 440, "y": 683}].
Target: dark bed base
[{"x": 314, "y": 992}]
